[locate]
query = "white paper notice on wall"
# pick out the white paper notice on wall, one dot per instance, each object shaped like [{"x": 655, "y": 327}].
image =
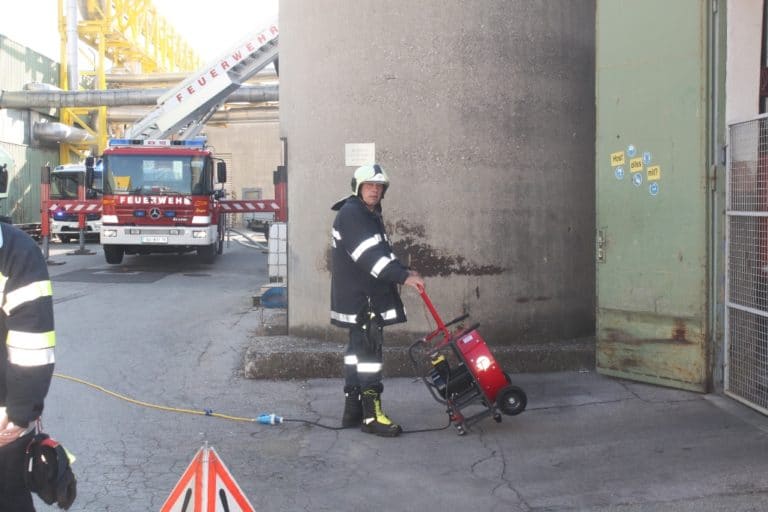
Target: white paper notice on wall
[{"x": 356, "y": 154}]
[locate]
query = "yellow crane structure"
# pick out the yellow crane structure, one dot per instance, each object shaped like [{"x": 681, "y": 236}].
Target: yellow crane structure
[{"x": 128, "y": 34}]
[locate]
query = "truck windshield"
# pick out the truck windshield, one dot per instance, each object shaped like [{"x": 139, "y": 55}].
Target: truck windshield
[
  {"x": 64, "y": 184},
  {"x": 155, "y": 175}
]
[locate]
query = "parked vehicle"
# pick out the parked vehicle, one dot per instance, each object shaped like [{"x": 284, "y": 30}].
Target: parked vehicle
[{"x": 64, "y": 186}]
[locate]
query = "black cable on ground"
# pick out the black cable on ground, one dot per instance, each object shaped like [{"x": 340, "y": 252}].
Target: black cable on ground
[
  {"x": 263, "y": 419},
  {"x": 318, "y": 424}
]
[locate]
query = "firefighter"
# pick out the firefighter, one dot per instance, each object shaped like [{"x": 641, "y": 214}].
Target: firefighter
[
  {"x": 365, "y": 296},
  {"x": 26, "y": 358}
]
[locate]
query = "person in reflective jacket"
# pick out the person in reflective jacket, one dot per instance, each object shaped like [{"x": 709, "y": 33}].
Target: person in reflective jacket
[
  {"x": 26, "y": 357},
  {"x": 364, "y": 296}
]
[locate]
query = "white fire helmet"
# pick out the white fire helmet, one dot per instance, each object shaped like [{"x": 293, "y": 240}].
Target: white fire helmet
[{"x": 369, "y": 174}]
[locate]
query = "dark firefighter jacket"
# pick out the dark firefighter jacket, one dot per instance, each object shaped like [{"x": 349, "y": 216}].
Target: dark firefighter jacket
[
  {"x": 364, "y": 267},
  {"x": 26, "y": 326}
]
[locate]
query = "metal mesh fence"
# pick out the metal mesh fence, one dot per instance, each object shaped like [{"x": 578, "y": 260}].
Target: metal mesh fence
[{"x": 746, "y": 373}]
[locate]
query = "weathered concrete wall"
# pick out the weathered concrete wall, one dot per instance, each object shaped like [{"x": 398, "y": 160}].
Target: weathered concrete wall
[
  {"x": 483, "y": 116},
  {"x": 252, "y": 152}
]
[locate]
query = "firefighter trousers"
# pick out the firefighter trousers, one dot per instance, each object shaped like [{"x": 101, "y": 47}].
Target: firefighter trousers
[{"x": 363, "y": 356}]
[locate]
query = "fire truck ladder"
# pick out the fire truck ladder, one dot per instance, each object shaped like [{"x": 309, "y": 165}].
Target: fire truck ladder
[{"x": 184, "y": 109}]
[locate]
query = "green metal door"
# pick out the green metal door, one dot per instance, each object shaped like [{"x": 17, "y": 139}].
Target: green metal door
[{"x": 652, "y": 190}]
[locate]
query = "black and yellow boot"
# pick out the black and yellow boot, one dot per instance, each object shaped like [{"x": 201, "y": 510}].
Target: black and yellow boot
[
  {"x": 353, "y": 409},
  {"x": 374, "y": 419}
]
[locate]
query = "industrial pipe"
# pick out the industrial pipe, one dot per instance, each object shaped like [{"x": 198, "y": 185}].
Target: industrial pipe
[
  {"x": 60, "y": 132},
  {"x": 119, "y": 97}
]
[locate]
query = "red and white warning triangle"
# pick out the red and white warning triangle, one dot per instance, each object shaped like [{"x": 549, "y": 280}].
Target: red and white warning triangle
[{"x": 207, "y": 486}]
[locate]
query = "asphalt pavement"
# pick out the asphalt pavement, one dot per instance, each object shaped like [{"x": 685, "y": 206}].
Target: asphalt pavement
[{"x": 586, "y": 442}]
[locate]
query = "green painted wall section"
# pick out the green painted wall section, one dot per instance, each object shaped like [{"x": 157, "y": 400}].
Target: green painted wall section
[
  {"x": 652, "y": 209},
  {"x": 23, "y": 201},
  {"x": 20, "y": 66}
]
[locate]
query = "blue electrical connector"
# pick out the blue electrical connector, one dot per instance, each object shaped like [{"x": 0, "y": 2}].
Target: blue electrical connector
[{"x": 270, "y": 419}]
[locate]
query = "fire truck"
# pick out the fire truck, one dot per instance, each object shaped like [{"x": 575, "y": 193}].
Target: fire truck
[
  {"x": 159, "y": 182},
  {"x": 65, "y": 180},
  {"x": 159, "y": 196}
]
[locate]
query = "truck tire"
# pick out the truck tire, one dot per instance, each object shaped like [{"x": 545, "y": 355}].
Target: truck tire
[
  {"x": 65, "y": 239},
  {"x": 207, "y": 253},
  {"x": 113, "y": 254},
  {"x": 220, "y": 242}
]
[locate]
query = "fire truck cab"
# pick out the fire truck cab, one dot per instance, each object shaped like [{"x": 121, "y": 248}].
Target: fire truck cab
[
  {"x": 159, "y": 196},
  {"x": 65, "y": 180}
]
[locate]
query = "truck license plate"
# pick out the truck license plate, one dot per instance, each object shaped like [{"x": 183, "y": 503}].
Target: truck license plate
[{"x": 154, "y": 239}]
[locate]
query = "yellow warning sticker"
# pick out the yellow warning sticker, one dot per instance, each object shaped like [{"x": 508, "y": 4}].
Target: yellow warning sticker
[
  {"x": 636, "y": 164},
  {"x": 617, "y": 158},
  {"x": 654, "y": 173},
  {"x": 122, "y": 183}
]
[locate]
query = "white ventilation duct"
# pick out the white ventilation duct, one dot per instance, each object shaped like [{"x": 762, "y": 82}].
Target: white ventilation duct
[{"x": 60, "y": 132}]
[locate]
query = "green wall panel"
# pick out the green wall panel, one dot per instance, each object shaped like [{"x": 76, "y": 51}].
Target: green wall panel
[{"x": 651, "y": 155}]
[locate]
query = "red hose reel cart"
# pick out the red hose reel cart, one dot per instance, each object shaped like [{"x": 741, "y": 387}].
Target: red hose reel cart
[{"x": 460, "y": 371}]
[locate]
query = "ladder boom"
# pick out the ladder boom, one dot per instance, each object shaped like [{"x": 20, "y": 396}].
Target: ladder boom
[{"x": 185, "y": 108}]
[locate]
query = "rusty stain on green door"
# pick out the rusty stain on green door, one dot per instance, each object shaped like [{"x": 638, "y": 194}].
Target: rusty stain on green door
[{"x": 652, "y": 183}]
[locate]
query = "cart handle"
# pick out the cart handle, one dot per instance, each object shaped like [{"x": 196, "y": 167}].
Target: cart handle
[
  {"x": 441, "y": 327},
  {"x": 437, "y": 331}
]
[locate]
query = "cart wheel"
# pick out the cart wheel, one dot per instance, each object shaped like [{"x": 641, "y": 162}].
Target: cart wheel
[
  {"x": 461, "y": 430},
  {"x": 512, "y": 400},
  {"x": 497, "y": 418}
]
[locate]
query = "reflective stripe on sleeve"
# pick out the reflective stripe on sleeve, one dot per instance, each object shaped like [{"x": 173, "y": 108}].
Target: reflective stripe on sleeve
[
  {"x": 27, "y": 293},
  {"x": 379, "y": 266},
  {"x": 31, "y": 349},
  {"x": 24, "y": 357},
  {"x": 341, "y": 317},
  {"x": 350, "y": 359},
  {"x": 31, "y": 340},
  {"x": 3, "y": 281},
  {"x": 364, "y": 246},
  {"x": 335, "y": 234}
]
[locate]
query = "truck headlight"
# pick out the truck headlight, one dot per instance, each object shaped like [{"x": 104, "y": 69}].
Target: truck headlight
[
  {"x": 199, "y": 234},
  {"x": 109, "y": 233}
]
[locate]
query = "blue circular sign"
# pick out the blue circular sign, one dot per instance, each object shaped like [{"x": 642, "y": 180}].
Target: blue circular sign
[
  {"x": 647, "y": 157},
  {"x": 653, "y": 188},
  {"x": 637, "y": 179},
  {"x": 619, "y": 173},
  {"x": 631, "y": 150}
]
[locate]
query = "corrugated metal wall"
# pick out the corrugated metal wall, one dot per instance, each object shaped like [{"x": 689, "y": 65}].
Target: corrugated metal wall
[
  {"x": 20, "y": 66},
  {"x": 23, "y": 203}
]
